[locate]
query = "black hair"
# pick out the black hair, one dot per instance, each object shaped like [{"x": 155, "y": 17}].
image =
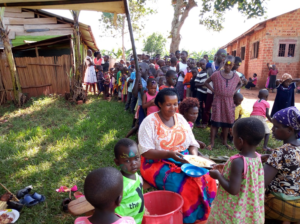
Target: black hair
[
  {"x": 194, "y": 69},
  {"x": 250, "y": 129},
  {"x": 164, "y": 69},
  {"x": 203, "y": 59},
  {"x": 96, "y": 53},
  {"x": 237, "y": 60},
  {"x": 205, "y": 55},
  {"x": 178, "y": 51},
  {"x": 238, "y": 96},
  {"x": 229, "y": 58},
  {"x": 170, "y": 73},
  {"x": 151, "y": 81},
  {"x": 173, "y": 60},
  {"x": 255, "y": 74},
  {"x": 263, "y": 92},
  {"x": 160, "y": 97},
  {"x": 103, "y": 186},
  {"x": 124, "y": 142},
  {"x": 185, "y": 52},
  {"x": 152, "y": 71}
]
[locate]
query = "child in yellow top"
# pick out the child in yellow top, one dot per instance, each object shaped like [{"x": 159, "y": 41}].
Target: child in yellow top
[{"x": 239, "y": 111}]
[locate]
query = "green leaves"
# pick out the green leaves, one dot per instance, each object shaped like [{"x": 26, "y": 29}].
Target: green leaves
[{"x": 154, "y": 44}]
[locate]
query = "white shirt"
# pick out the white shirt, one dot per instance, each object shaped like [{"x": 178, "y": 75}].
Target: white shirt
[{"x": 182, "y": 68}]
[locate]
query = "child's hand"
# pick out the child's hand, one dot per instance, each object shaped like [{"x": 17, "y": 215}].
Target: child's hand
[
  {"x": 202, "y": 144},
  {"x": 214, "y": 174}
]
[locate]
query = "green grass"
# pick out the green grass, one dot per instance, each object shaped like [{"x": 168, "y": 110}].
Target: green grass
[{"x": 49, "y": 143}]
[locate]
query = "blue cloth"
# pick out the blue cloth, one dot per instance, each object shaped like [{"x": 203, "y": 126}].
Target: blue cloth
[
  {"x": 141, "y": 115},
  {"x": 285, "y": 97},
  {"x": 208, "y": 65},
  {"x": 132, "y": 75}
]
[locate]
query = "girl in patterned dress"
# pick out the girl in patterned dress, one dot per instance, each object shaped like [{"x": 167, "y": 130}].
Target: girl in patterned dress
[
  {"x": 225, "y": 84},
  {"x": 90, "y": 78},
  {"x": 240, "y": 197}
]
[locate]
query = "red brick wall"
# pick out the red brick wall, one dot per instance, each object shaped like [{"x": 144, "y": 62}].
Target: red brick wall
[{"x": 283, "y": 26}]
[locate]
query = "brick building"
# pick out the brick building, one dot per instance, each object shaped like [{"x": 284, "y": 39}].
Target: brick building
[{"x": 275, "y": 41}]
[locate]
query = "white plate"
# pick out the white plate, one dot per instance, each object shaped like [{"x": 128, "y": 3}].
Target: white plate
[
  {"x": 12, "y": 213},
  {"x": 197, "y": 160}
]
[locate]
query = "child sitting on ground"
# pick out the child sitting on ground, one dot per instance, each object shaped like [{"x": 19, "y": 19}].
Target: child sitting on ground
[
  {"x": 242, "y": 179},
  {"x": 128, "y": 159},
  {"x": 149, "y": 97},
  {"x": 103, "y": 189},
  {"x": 171, "y": 79},
  {"x": 261, "y": 111}
]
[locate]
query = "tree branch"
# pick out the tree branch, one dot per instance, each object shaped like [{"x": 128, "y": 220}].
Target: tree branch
[{"x": 191, "y": 4}]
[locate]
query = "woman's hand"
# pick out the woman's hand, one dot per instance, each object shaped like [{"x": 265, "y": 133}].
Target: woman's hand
[
  {"x": 177, "y": 157},
  {"x": 202, "y": 144},
  {"x": 215, "y": 174}
]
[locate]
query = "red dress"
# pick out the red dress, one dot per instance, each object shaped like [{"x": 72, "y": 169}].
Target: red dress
[{"x": 223, "y": 106}]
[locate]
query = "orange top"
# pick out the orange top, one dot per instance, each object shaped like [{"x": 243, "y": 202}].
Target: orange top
[
  {"x": 187, "y": 78},
  {"x": 164, "y": 86}
]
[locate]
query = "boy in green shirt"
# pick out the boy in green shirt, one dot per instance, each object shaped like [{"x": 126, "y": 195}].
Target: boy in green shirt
[{"x": 128, "y": 159}]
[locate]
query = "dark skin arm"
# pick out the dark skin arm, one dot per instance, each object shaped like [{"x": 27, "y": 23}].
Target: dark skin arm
[
  {"x": 209, "y": 86},
  {"x": 161, "y": 154},
  {"x": 268, "y": 115},
  {"x": 233, "y": 185},
  {"x": 240, "y": 85},
  {"x": 146, "y": 104},
  {"x": 270, "y": 174}
]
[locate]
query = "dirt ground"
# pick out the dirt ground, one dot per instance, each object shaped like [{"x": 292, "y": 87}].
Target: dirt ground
[{"x": 250, "y": 96}]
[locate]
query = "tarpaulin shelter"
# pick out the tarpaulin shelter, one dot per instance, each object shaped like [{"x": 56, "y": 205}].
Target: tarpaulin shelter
[{"x": 111, "y": 6}]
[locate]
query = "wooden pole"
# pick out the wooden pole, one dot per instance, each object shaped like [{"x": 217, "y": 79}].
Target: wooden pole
[
  {"x": 76, "y": 46},
  {"x": 137, "y": 68},
  {"x": 36, "y": 52},
  {"x": 10, "y": 61}
]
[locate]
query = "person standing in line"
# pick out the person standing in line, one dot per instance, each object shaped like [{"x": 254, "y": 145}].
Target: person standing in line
[{"x": 181, "y": 70}]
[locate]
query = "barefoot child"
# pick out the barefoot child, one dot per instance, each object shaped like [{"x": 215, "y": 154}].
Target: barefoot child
[
  {"x": 128, "y": 159},
  {"x": 188, "y": 77},
  {"x": 285, "y": 96},
  {"x": 240, "y": 197},
  {"x": 90, "y": 79},
  {"x": 149, "y": 97},
  {"x": 103, "y": 189},
  {"x": 261, "y": 111}
]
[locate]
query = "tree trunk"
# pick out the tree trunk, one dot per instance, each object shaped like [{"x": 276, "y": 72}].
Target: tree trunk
[
  {"x": 181, "y": 12},
  {"x": 17, "y": 91},
  {"x": 77, "y": 54},
  {"x": 123, "y": 38}
]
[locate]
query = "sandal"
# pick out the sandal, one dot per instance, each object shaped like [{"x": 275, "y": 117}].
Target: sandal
[
  {"x": 65, "y": 203},
  {"x": 66, "y": 189},
  {"x": 78, "y": 194},
  {"x": 14, "y": 205},
  {"x": 209, "y": 147},
  {"x": 21, "y": 193},
  {"x": 28, "y": 201}
]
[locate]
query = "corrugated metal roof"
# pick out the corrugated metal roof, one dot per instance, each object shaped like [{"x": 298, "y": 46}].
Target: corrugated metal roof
[
  {"x": 112, "y": 6},
  {"x": 255, "y": 27}
]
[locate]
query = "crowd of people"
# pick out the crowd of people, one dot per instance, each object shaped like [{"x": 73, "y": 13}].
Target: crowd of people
[{"x": 171, "y": 96}]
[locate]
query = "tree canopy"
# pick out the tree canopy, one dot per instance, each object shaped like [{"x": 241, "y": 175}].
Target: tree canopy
[{"x": 154, "y": 44}]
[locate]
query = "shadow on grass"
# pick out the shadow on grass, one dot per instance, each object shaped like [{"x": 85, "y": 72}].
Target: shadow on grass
[{"x": 59, "y": 148}]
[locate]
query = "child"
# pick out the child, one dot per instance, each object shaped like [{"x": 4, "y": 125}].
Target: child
[
  {"x": 90, "y": 78},
  {"x": 261, "y": 111},
  {"x": 103, "y": 189},
  {"x": 149, "y": 97},
  {"x": 100, "y": 79},
  {"x": 240, "y": 197},
  {"x": 252, "y": 82},
  {"x": 128, "y": 159},
  {"x": 226, "y": 83},
  {"x": 272, "y": 78},
  {"x": 106, "y": 85},
  {"x": 173, "y": 63},
  {"x": 192, "y": 82},
  {"x": 285, "y": 93},
  {"x": 124, "y": 84},
  {"x": 188, "y": 76},
  {"x": 189, "y": 108},
  {"x": 171, "y": 79},
  {"x": 201, "y": 92},
  {"x": 181, "y": 70},
  {"x": 239, "y": 111}
]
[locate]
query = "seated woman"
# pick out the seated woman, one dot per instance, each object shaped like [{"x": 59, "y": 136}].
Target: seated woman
[
  {"x": 164, "y": 137},
  {"x": 252, "y": 82},
  {"x": 282, "y": 170}
]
